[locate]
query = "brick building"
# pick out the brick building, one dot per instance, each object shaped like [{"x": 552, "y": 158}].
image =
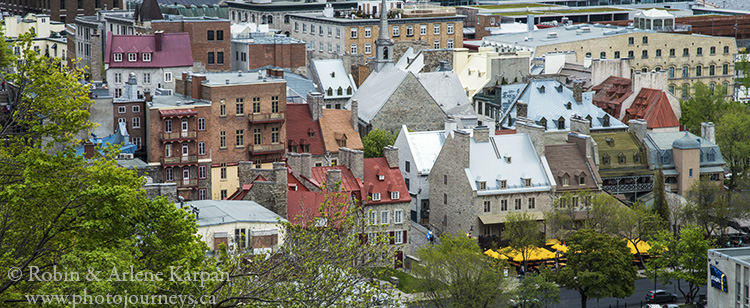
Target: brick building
[
  {"x": 131, "y": 110},
  {"x": 62, "y": 11},
  {"x": 210, "y": 40},
  {"x": 261, "y": 49}
]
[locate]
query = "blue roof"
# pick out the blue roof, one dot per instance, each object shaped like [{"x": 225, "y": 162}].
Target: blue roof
[{"x": 117, "y": 138}]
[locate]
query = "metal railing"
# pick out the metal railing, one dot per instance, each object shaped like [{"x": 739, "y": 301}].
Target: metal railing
[
  {"x": 179, "y": 159},
  {"x": 259, "y": 148},
  {"x": 266, "y": 117},
  {"x": 178, "y": 135}
]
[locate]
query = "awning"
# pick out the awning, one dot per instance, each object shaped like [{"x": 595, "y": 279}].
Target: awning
[
  {"x": 492, "y": 219},
  {"x": 170, "y": 113},
  {"x": 670, "y": 172},
  {"x": 712, "y": 169}
]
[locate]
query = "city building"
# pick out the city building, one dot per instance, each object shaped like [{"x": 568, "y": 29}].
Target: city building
[
  {"x": 335, "y": 83},
  {"x": 486, "y": 68},
  {"x": 49, "y": 40},
  {"x": 622, "y": 160},
  {"x": 686, "y": 58},
  {"x": 62, "y": 11},
  {"x": 728, "y": 277},
  {"x": 572, "y": 166},
  {"x": 153, "y": 61},
  {"x": 277, "y": 14},
  {"x": 256, "y": 50},
  {"x": 130, "y": 109}
]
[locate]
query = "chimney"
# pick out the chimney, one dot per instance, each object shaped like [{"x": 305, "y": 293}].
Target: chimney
[
  {"x": 280, "y": 172},
  {"x": 333, "y": 176},
  {"x": 357, "y": 163},
  {"x": 450, "y": 126},
  {"x": 196, "y": 86},
  {"x": 638, "y": 127},
  {"x": 158, "y": 38},
  {"x": 578, "y": 90},
  {"x": 708, "y": 131},
  {"x": 522, "y": 109},
  {"x": 279, "y": 73},
  {"x": 584, "y": 143},
  {"x": 535, "y": 132},
  {"x": 391, "y": 155},
  {"x": 579, "y": 124},
  {"x": 481, "y": 134},
  {"x": 147, "y": 95},
  {"x": 306, "y": 164},
  {"x": 184, "y": 85},
  {"x": 328, "y": 11},
  {"x": 96, "y": 57},
  {"x": 355, "y": 115},
  {"x": 293, "y": 160},
  {"x": 315, "y": 103},
  {"x": 463, "y": 144},
  {"x": 131, "y": 88},
  {"x": 88, "y": 149}
]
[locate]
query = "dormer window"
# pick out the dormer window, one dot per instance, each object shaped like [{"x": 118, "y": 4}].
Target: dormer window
[
  {"x": 381, "y": 177},
  {"x": 610, "y": 141},
  {"x": 118, "y": 57},
  {"x": 605, "y": 159},
  {"x": 503, "y": 184},
  {"x": 559, "y": 88},
  {"x": 581, "y": 180},
  {"x": 605, "y": 120},
  {"x": 329, "y": 92},
  {"x": 394, "y": 195},
  {"x": 507, "y": 159},
  {"x": 711, "y": 155},
  {"x": 566, "y": 180},
  {"x": 482, "y": 185},
  {"x": 349, "y": 91},
  {"x": 541, "y": 89},
  {"x": 569, "y": 106},
  {"x": 146, "y": 57},
  {"x": 588, "y": 117},
  {"x": 527, "y": 182},
  {"x": 132, "y": 57},
  {"x": 621, "y": 158},
  {"x": 561, "y": 123},
  {"x": 376, "y": 196},
  {"x": 637, "y": 158},
  {"x": 333, "y": 74},
  {"x": 340, "y": 91}
]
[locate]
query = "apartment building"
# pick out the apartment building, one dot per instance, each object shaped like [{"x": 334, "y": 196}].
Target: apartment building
[{"x": 62, "y": 11}]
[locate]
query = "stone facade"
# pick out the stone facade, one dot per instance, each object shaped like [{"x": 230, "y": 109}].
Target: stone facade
[
  {"x": 421, "y": 114},
  {"x": 271, "y": 193}
]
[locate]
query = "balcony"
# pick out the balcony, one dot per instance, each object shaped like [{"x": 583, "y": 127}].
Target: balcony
[
  {"x": 178, "y": 136},
  {"x": 187, "y": 183},
  {"x": 266, "y": 117},
  {"x": 266, "y": 148},
  {"x": 180, "y": 160}
]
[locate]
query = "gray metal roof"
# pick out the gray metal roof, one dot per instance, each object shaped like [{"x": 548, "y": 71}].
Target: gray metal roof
[
  {"x": 661, "y": 156},
  {"x": 542, "y": 37},
  {"x": 131, "y": 163},
  {"x": 332, "y": 74},
  {"x": 296, "y": 82},
  {"x": 218, "y": 212},
  {"x": 376, "y": 90},
  {"x": 446, "y": 89},
  {"x": 506, "y": 157},
  {"x": 160, "y": 101},
  {"x": 424, "y": 147}
]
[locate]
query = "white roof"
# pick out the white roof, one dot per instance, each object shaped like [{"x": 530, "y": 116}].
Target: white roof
[
  {"x": 507, "y": 28},
  {"x": 654, "y": 13},
  {"x": 411, "y": 60},
  {"x": 332, "y": 74},
  {"x": 446, "y": 89},
  {"x": 246, "y": 27},
  {"x": 424, "y": 147},
  {"x": 488, "y": 163},
  {"x": 218, "y": 212}
]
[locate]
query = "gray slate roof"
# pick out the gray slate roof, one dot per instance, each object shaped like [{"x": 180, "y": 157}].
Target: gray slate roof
[
  {"x": 660, "y": 150},
  {"x": 218, "y": 212},
  {"x": 446, "y": 89},
  {"x": 332, "y": 74},
  {"x": 296, "y": 82},
  {"x": 376, "y": 90}
]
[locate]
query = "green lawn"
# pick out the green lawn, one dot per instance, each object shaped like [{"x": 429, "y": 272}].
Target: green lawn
[
  {"x": 406, "y": 283},
  {"x": 511, "y": 6}
]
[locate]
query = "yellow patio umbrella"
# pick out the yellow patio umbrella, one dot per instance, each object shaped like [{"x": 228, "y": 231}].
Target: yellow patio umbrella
[
  {"x": 643, "y": 247},
  {"x": 495, "y": 254},
  {"x": 560, "y": 247},
  {"x": 552, "y": 242}
]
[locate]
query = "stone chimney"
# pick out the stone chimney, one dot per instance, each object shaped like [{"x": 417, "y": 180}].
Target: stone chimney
[
  {"x": 96, "y": 57},
  {"x": 462, "y": 147},
  {"x": 306, "y": 164},
  {"x": 333, "y": 176},
  {"x": 522, "y": 110},
  {"x": 450, "y": 126},
  {"x": 315, "y": 103},
  {"x": 650, "y": 80},
  {"x": 391, "y": 155},
  {"x": 354, "y": 160},
  {"x": 638, "y": 127},
  {"x": 88, "y": 149},
  {"x": 579, "y": 124},
  {"x": 158, "y": 39},
  {"x": 535, "y": 132},
  {"x": 584, "y": 142},
  {"x": 196, "y": 86},
  {"x": 279, "y": 171},
  {"x": 131, "y": 88},
  {"x": 147, "y": 95},
  {"x": 708, "y": 131},
  {"x": 578, "y": 90},
  {"x": 355, "y": 115},
  {"x": 481, "y": 134}
]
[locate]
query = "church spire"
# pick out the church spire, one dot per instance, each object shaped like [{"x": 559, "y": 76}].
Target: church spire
[{"x": 384, "y": 44}]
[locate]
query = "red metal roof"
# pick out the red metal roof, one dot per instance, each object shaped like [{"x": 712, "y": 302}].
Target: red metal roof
[
  {"x": 393, "y": 181},
  {"x": 611, "y": 93},
  {"x": 505, "y": 132},
  {"x": 348, "y": 182},
  {"x": 653, "y": 106},
  {"x": 175, "y": 50},
  {"x": 304, "y": 206},
  {"x": 170, "y": 113},
  {"x": 301, "y": 125}
]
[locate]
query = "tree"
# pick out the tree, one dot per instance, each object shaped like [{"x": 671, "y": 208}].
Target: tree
[
  {"x": 744, "y": 67},
  {"x": 638, "y": 224},
  {"x": 538, "y": 290},
  {"x": 457, "y": 269},
  {"x": 733, "y": 138},
  {"x": 598, "y": 266},
  {"x": 522, "y": 232},
  {"x": 704, "y": 106},
  {"x": 681, "y": 259},
  {"x": 660, "y": 196},
  {"x": 375, "y": 141},
  {"x": 707, "y": 207},
  {"x": 566, "y": 214}
]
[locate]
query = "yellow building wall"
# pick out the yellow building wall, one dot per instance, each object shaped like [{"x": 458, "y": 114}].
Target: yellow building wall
[{"x": 231, "y": 183}]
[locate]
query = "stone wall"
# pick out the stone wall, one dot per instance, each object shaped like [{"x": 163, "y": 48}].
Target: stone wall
[{"x": 410, "y": 105}]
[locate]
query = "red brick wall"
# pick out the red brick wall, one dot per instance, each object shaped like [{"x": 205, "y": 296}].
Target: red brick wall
[
  {"x": 128, "y": 116},
  {"x": 280, "y": 55},
  {"x": 200, "y": 45}
]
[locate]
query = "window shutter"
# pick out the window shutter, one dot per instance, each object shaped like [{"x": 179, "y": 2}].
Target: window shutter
[
  {"x": 405, "y": 241},
  {"x": 392, "y": 237}
]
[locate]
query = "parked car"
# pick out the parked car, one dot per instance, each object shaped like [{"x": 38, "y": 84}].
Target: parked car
[
  {"x": 652, "y": 306},
  {"x": 670, "y": 306},
  {"x": 660, "y": 296}
]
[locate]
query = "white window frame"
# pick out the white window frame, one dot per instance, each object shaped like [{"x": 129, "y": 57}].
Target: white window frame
[
  {"x": 146, "y": 57},
  {"x": 136, "y": 122},
  {"x": 436, "y": 29},
  {"x": 132, "y": 57},
  {"x": 118, "y": 57},
  {"x": 201, "y": 123},
  {"x": 449, "y": 44},
  {"x": 167, "y": 76},
  {"x": 373, "y": 217},
  {"x": 450, "y": 28},
  {"x": 168, "y": 125},
  {"x": 368, "y": 32},
  {"x": 436, "y": 44},
  {"x": 396, "y": 30},
  {"x": 122, "y": 120},
  {"x": 122, "y": 109},
  {"x": 136, "y": 109},
  {"x": 368, "y": 48},
  {"x": 398, "y": 237},
  {"x": 147, "y": 78},
  {"x": 169, "y": 174},
  {"x": 118, "y": 77},
  {"x": 118, "y": 92},
  {"x": 422, "y": 29},
  {"x": 353, "y": 49},
  {"x": 398, "y": 216},
  {"x": 353, "y": 32},
  {"x": 376, "y": 196},
  {"x": 186, "y": 173},
  {"x": 409, "y": 30},
  {"x": 202, "y": 173},
  {"x": 385, "y": 217},
  {"x": 394, "y": 195},
  {"x": 202, "y": 194}
]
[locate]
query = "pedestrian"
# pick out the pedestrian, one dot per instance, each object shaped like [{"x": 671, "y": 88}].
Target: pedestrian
[{"x": 3, "y": 84}]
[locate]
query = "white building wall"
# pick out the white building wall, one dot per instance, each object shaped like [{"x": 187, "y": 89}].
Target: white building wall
[
  {"x": 157, "y": 78},
  {"x": 207, "y": 233}
]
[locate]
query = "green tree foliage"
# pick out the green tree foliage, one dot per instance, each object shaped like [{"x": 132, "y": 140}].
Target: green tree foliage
[
  {"x": 707, "y": 207},
  {"x": 638, "y": 224},
  {"x": 538, "y": 290},
  {"x": 375, "y": 141},
  {"x": 598, "y": 266},
  {"x": 744, "y": 67},
  {"x": 681, "y": 259},
  {"x": 324, "y": 262},
  {"x": 704, "y": 106},
  {"x": 523, "y": 233},
  {"x": 457, "y": 269},
  {"x": 567, "y": 213},
  {"x": 733, "y": 137},
  {"x": 660, "y": 196}
]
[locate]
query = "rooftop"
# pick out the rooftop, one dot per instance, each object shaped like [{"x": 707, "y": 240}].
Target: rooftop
[
  {"x": 219, "y": 212},
  {"x": 739, "y": 254},
  {"x": 265, "y": 38},
  {"x": 653, "y": 106},
  {"x": 335, "y": 125},
  {"x": 559, "y": 35},
  {"x": 235, "y": 78},
  {"x": 356, "y": 20},
  {"x": 166, "y": 50},
  {"x": 424, "y": 146},
  {"x": 393, "y": 181},
  {"x": 305, "y": 131},
  {"x": 332, "y": 75},
  {"x": 567, "y": 159}
]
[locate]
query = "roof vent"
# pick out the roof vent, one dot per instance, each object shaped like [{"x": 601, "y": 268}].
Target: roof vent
[
  {"x": 586, "y": 29},
  {"x": 552, "y": 35},
  {"x": 227, "y": 80},
  {"x": 239, "y": 73}
]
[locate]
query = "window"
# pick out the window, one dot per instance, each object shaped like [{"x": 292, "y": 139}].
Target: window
[
  {"x": 320, "y": 30},
  {"x": 121, "y": 109},
  {"x": 136, "y": 122},
  {"x": 376, "y": 196},
  {"x": 146, "y": 57},
  {"x": 275, "y": 135},
  {"x": 532, "y": 203},
  {"x": 132, "y": 57},
  {"x": 395, "y": 31},
  {"x": 605, "y": 159},
  {"x": 685, "y": 72},
  {"x": 617, "y": 54},
  {"x": 275, "y": 104},
  {"x": 373, "y": 218},
  {"x": 409, "y": 30},
  {"x": 671, "y": 72},
  {"x": 644, "y": 54},
  {"x": 685, "y": 52},
  {"x": 138, "y": 142},
  {"x": 685, "y": 90},
  {"x": 146, "y": 77},
  {"x": 487, "y": 206},
  {"x": 223, "y": 139},
  {"x": 353, "y": 49},
  {"x": 304, "y": 28},
  {"x": 602, "y": 55},
  {"x": 202, "y": 172},
  {"x": 711, "y": 70},
  {"x": 240, "y": 106},
  {"x": 406, "y": 181},
  {"x": 436, "y": 29},
  {"x": 118, "y": 77},
  {"x": 368, "y": 48},
  {"x": 223, "y": 194},
  {"x": 240, "y": 138},
  {"x": 168, "y": 126},
  {"x": 482, "y": 185},
  {"x": 118, "y": 57},
  {"x": 202, "y": 194},
  {"x": 445, "y": 179},
  {"x": 223, "y": 171},
  {"x": 645, "y": 40},
  {"x": 699, "y": 51},
  {"x": 384, "y": 217},
  {"x": 256, "y": 104},
  {"x": 220, "y": 57},
  {"x": 201, "y": 123},
  {"x": 407, "y": 166},
  {"x": 636, "y": 156},
  {"x": 725, "y": 69},
  {"x": 436, "y": 44},
  {"x": 690, "y": 172},
  {"x": 168, "y": 77},
  {"x": 588, "y": 55},
  {"x": 631, "y": 41},
  {"x": 503, "y": 184},
  {"x": 136, "y": 109},
  {"x": 223, "y": 109},
  {"x": 658, "y": 52},
  {"x": 354, "y": 32},
  {"x": 257, "y": 137},
  {"x": 712, "y": 50},
  {"x": 398, "y": 216},
  {"x": 168, "y": 150},
  {"x": 330, "y": 48},
  {"x": 122, "y": 120},
  {"x": 201, "y": 148},
  {"x": 445, "y": 198},
  {"x": 338, "y": 32},
  {"x": 503, "y": 205},
  {"x": 671, "y": 52},
  {"x": 210, "y": 58},
  {"x": 296, "y": 26},
  {"x": 698, "y": 71},
  {"x": 449, "y": 28},
  {"x": 566, "y": 180},
  {"x": 450, "y": 43},
  {"x": 527, "y": 182},
  {"x": 671, "y": 89},
  {"x": 398, "y": 237},
  {"x": 631, "y": 54},
  {"x": 422, "y": 29},
  {"x": 726, "y": 49},
  {"x": 368, "y": 32},
  {"x": 169, "y": 176},
  {"x": 210, "y": 35}
]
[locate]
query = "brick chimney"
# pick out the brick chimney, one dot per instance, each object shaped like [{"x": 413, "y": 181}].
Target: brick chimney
[
  {"x": 147, "y": 95},
  {"x": 391, "y": 155},
  {"x": 355, "y": 115},
  {"x": 522, "y": 109},
  {"x": 196, "y": 85},
  {"x": 88, "y": 149},
  {"x": 158, "y": 39},
  {"x": 578, "y": 90},
  {"x": 315, "y": 103}
]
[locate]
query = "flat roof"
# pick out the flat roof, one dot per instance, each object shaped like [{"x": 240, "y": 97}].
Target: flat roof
[
  {"x": 319, "y": 16},
  {"x": 738, "y": 254},
  {"x": 161, "y": 101},
  {"x": 236, "y": 78}
]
